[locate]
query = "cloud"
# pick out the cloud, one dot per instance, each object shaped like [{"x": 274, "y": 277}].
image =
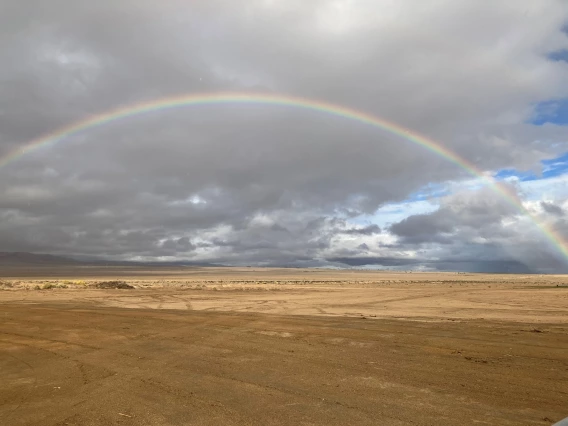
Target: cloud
[
  {"x": 478, "y": 228},
  {"x": 382, "y": 261},
  {"x": 471, "y": 210},
  {"x": 552, "y": 208},
  {"x": 472, "y": 265},
  {"x": 367, "y": 230},
  {"x": 258, "y": 183}
]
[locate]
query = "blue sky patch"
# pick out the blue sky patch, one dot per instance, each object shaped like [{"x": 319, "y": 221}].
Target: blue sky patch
[
  {"x": 550, "y": 168},
  {"x": 559, "y": 55},
  {"x": 553, "y": 111},
  {"x": 504, "y": 174},
  {"x": 555, "y": 166},
  {"x": 428, "y": 192}
]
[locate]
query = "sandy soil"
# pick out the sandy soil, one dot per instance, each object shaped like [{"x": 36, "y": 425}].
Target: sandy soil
[{"x": 297, "y": 347}]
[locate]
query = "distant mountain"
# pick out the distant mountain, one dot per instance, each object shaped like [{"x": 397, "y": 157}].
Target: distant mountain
[
  {"x": 37, "y": 259},
  {"x": 33, "y": 259},
  {"x": 104, "y": 262}
]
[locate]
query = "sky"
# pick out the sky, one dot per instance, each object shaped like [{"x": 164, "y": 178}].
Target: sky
[{"x": 270, "y": 185}]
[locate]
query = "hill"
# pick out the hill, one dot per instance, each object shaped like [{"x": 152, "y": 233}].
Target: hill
[
  {"x": 33, "y": 259},
  {"x": 39, "y": 259}
]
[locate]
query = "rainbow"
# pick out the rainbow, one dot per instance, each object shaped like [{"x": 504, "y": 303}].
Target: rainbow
[{"x": 284, "y": 100}]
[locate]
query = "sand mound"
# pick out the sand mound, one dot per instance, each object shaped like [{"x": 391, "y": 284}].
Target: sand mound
[{"x": 113, "y": 284}]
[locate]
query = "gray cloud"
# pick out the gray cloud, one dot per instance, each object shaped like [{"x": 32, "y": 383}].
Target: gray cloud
[
  {"x": 552, "y": 208},
  {"x": 463, "y": 211},
  {"x": 257, "y": 183},
  {"x": 480, "y": 230},
  {"x": 367, "y": 230},
  {"x": 471, "y": 265}
]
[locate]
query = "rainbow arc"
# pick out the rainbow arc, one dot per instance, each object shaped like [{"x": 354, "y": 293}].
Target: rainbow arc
[{"x": 290, "y": 101}]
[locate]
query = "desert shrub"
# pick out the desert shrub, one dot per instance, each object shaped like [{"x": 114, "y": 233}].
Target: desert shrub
[{"x": 113, "y": 284}]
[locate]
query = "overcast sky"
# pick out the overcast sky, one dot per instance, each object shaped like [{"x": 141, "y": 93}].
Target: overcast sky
[{"x": 267, "y": 185}]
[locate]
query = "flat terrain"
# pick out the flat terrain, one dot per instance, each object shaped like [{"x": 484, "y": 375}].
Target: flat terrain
[{"x": 214, "y": 346}]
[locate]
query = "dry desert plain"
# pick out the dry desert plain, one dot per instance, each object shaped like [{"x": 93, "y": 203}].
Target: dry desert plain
[{"x": 255, "y": 346}]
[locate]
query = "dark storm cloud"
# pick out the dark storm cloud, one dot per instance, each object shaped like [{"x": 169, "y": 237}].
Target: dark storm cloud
[
  {"x": 480, "y": 232},
  {"x": 472, "y": 265},
  {"x": 382, "y": 261},
  {"x": 552, "y": 208},
  {"x": 252, "y": 183},
  {"x": 367, "y": 230},
  {"x": 469, "y": 210}
]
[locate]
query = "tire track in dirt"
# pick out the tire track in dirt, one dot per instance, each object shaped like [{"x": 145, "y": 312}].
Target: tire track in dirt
[{"x": 24, "y": 396}]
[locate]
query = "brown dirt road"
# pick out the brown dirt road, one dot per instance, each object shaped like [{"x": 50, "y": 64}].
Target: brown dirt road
[{"x": 185, "y": 354}]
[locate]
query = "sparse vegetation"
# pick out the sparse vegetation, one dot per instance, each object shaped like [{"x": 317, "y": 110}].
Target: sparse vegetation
[
  {"x": 113, "y": 285},
  {"x": 50, "y": 286}
]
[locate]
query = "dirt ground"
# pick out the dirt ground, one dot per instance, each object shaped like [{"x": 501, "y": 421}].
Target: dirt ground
[{"x": 228, "y": 346}]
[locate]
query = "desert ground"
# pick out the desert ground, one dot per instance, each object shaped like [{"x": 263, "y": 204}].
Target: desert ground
[{"x": 260, "y": 346}]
